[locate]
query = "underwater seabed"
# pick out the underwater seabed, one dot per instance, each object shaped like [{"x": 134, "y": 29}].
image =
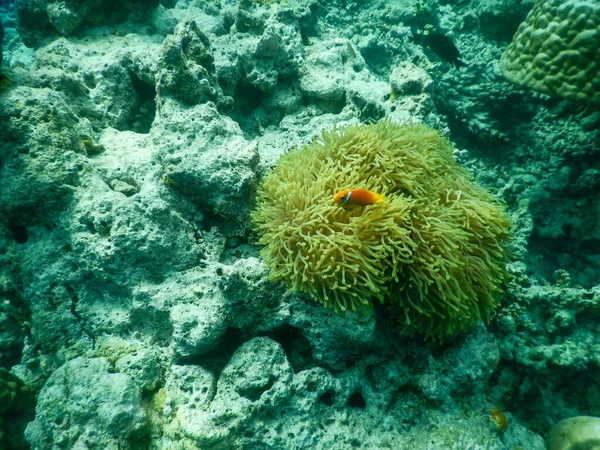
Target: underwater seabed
[{"x": 174, "y": 217}]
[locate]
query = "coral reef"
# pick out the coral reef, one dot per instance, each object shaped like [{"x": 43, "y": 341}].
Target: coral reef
[
  {"x": 132, "y": 298},
  {"x": 436, "y": 247},
  {"x": 550, "y": 340}
]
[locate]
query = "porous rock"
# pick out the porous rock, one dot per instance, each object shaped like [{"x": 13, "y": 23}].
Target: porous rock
[
  {"x": 408, "y": 79},
  {"x": 143, "y": 366},
  {"x": 197, "y": 328},
  {"x": 186, "y": 66},
  {"x": 335, "y": 76},
  {"x": 257, "y": 375},
  {"x": 205, "y": 156},
  {"x": 40, "y": 19},
  {"x": 188, "y": 386},
  {"x": 84, "y": 402},
  {"x": 114, "y": 89},
  {"x": 40, "y": 157}
]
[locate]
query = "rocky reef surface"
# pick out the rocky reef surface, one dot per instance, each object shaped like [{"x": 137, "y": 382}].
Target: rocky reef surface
[{"x": 132, "y": 300}]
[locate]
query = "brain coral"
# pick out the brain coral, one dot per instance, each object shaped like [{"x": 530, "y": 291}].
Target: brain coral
[
  {"x": 435, "y": 249},
  {"x": 556, "y": 50}
]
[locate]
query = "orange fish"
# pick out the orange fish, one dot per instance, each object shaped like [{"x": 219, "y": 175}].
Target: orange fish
[{"x": 353, "y": 198}]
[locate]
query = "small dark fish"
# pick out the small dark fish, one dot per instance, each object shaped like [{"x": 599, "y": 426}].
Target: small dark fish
[{"x": 442, "y": 46}]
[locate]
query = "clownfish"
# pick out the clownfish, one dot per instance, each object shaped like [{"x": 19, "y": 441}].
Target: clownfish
[{"x": 353, "y": 198}]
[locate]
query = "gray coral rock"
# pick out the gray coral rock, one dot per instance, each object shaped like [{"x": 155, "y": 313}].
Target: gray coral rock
[
  {"x": 558, "y": 329},
  {"x": 116, "y": 89},
  {"x": 40, "y": 19},
  {"x": 41, "y": 165},
  {"x": 143, "y": 366},
  {"x": 258, "y": 376},
  {"x": 205, "y": 156},
  {"x": 197, "y": 328},
  {"x": 186, "y": 70},
  {"x": 63, "y": 18},
  {"x": 408, "y": 79},
  {"x": 277, "y": 54},
  {"x": 335, "y": 75},
  {"x": 83, "y": 403},
  {"x": 259, "y": 67},
  {"x": 187, "y": 388}
]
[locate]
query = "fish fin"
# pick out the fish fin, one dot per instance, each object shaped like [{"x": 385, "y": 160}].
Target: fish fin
[
  {"x": 458, "y": 63},
  {"x": 381, "y": 198},
  {"x": 343, "y": 204}
]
